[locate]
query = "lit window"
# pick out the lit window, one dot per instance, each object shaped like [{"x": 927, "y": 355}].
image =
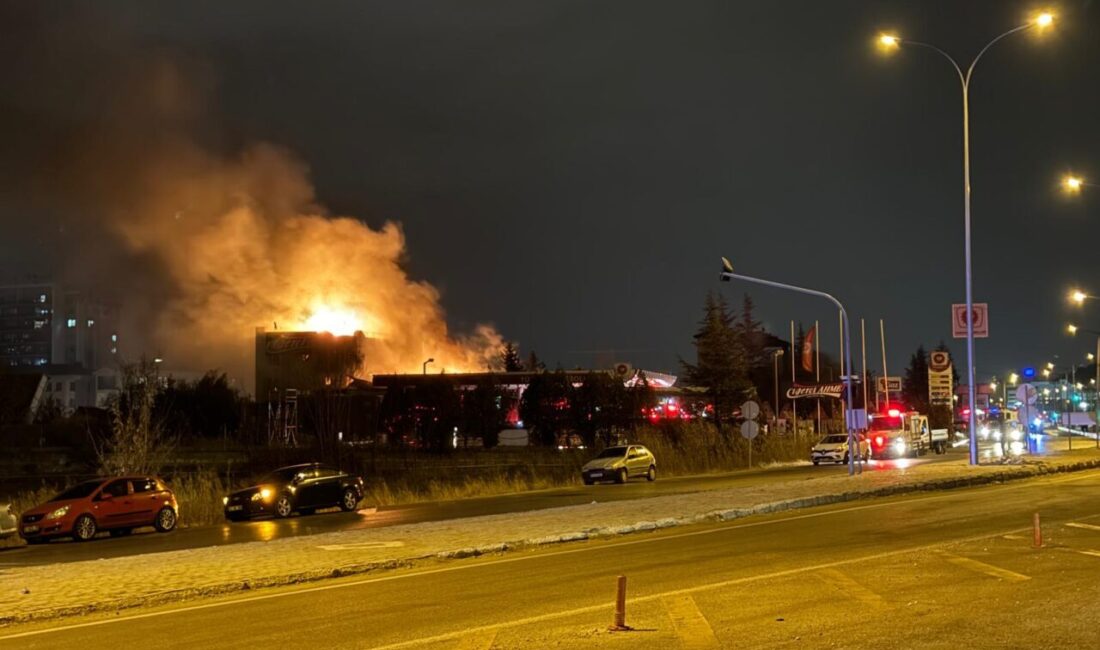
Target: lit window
[
  {"x": 90, "y": 322},
  {"x": 42, "y": 297},
  {"x": 39, "y": 324},
  {"x": 114, "y": 338},
  {"x": 71, "y": 322},
  {"x": 114, "y": 350}
]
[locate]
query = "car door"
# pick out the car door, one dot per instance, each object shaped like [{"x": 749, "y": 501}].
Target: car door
[
  {"x": 633, "y": 461},
  {"x": 146, "y": 499},
  {"x": 114, "y": 507},
  {"x": 331, "y": 480},
  {"x": 308, "y": 488}
]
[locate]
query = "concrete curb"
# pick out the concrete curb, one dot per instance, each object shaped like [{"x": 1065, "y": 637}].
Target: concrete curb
[{"x": 1011, "y": 473}]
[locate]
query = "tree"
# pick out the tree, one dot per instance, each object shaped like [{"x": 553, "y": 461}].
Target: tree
[
  {"x": 509, "y": 358},
  {"x": 640, "y": 398},
  {"x": 544, "y": 407},
  {"x": 137, "y": 442},
  {"x": 914, "y": 384},
  {"x": 720, "y": 367},
  {"x": 534, "y": 364},
  {"x": 751, "y": 333},
  {"x": 595, "y": 406},
  {"x": 482, "y": 412}
]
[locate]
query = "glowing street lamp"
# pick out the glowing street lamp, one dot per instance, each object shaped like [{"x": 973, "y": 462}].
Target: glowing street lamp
[
  {"x": 1071, "y": 328},
  {"x": 1013, "y": 378},
  {"x": 892, "y": 42}
]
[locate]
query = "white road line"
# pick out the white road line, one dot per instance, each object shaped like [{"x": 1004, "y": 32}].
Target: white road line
[
  {"x": 478, "y": 641},
  {"x": 690, "y": 624},
  {"x": 850, "y": 587},
  {"x": 524, "y": 558},
  {"x": 1087, "y": 552},
  {"x": 982, "y": 567},
  {"x": 1075, "y": 524}
]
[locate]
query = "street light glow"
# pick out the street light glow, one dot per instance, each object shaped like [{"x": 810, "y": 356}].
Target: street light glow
[
  {"x": 1078, "y": 296},
  {"x": 1090, "y": 356},
  {"x": 888, "y": 40},
  {"x": 1071, "y": 328},
  {"x": 1045, "y": 19},
  {"x": 1013, "y": 378},
  {"x": 1072, "y": 184}
]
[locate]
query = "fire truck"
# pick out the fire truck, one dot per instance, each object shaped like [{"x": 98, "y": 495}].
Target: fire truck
[{"x": 896, "y": 433}]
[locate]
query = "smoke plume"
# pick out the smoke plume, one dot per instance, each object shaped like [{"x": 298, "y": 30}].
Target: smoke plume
[{"x": 117, "y": 174}]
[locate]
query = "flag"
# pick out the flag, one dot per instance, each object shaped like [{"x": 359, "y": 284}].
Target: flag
[{"x": 808, "y": 349}]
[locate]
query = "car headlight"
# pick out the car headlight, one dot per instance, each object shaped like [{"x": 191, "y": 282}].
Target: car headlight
[
  {"x": 1015, "y": 434},
  {"x": 899, "y": 443},
  {"x": 225, "y": 501},
  {"x": 265, "y": 494},
  {"x": 60, "y": 512}
]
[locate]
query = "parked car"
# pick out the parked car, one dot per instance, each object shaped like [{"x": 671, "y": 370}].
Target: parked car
[
  {"x": 118, "y": 505},
  {"x": 298, "y": 488},
  {"x": 833, "y": 448},
  {"x": 9, "y": 521},
  {"x": 619, "y": 464}
]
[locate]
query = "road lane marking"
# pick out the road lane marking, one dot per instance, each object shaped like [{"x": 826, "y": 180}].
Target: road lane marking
[
  {"x": 1075, "y": 524},
  {"x": 482, "y": 640},
  {"x": 847, "y": 585},
  {"x": 1088, "y": 552},
  {"x": 1014, "y": 537},
  {"x": 612, "y": 545},
  {"x": 982, "y": 567},
  {"x": 690, "y": 624}
]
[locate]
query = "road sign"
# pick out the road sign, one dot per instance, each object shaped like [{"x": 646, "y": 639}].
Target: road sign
[
  {"x": 1027, "y": 393},
  {"x": 749, "y": 429},
  {"x": 749, "y": 410},
  {"x": 893, "y": 384},
  {"x": 939, "y": 360},
  {"x": 979, "y": 317}
]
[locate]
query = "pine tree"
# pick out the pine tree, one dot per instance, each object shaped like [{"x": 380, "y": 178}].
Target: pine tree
[
  {"x": 509, "y": 358},
  {"x": 751, "y": 333},
  {"x": 914, "y": 385},
  {"x": 720, "y": 365}
]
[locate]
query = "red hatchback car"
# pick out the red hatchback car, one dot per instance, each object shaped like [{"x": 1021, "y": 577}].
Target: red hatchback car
[{"x": 118, "y": 505}]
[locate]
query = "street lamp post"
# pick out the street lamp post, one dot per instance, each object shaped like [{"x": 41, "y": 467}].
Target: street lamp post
[
  {"x": 891, "y": 41},
  {"x": 424, "y": 366},
  {"x": 845, "y": 360},
  {"x": 776, "y": 353},
  {"x": 1073, "y": 329}
]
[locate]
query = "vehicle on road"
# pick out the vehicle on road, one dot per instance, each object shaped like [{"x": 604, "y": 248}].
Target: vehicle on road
[
  {"x": 117, "y": 505},
  {"x": 9, "y": 521},
  {"x": 901, "y": 434},
  {"x": 298, "y": 488},
  {"x": 619, "y": 464},
  {"x": 833, "y": 448}
]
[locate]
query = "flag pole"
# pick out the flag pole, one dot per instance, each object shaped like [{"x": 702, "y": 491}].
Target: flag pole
[
  {"x": 794, "y": 380},
  {"x": 885, "y": 373},
  {"x": 817, "y": 365}
]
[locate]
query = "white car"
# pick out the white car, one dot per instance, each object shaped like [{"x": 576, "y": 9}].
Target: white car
[
  {"x": 619, "y": 464},
  {"x": 833, "y": 448},
  {"x": 9, "y": 520}
]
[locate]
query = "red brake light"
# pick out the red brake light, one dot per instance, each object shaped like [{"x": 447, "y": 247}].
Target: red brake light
[
  {"x": 894, "y": 413},
  {"x": 878, "y": 441}
]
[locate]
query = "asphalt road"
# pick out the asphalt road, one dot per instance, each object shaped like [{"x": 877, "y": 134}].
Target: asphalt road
[
  {"x": 147, "y": 541},
  {"x": 942, "y": 570}
]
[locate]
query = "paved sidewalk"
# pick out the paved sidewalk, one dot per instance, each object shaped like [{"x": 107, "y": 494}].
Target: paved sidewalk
[{"x": 80, "y": 587}]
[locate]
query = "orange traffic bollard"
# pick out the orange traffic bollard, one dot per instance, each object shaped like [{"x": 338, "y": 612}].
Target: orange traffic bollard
[
  {"x": 1038, "y": 532},
  {"x": 620, "y": 607}
]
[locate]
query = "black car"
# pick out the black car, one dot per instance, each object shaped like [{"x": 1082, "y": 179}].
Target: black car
[{"x": 298, "y": 488}]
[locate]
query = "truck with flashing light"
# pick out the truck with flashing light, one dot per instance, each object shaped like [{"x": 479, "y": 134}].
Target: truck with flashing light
[{"x": 896, "y": 433}]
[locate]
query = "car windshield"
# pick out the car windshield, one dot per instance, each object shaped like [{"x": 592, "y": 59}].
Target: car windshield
[
  {"x": 835, "y": 439},
  {"x": 885, "y": 424},
  {"x": 78, "y": 491},
  {"x": 284, "y": 475},
  {"x": 612, "y": 452}
]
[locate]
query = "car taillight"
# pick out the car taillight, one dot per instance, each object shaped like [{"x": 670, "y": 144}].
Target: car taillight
[{"x": 879, "y": 440}]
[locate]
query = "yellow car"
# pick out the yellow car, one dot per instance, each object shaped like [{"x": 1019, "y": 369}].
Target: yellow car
[{"x": 620, "y": 464}]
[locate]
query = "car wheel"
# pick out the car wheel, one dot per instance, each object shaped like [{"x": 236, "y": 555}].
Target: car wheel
[
  {"x": 816, "y": 462},
  {"x": 651, "y": 475},
  {"x": 350, "y": 500},
  {"x": 844, "y": 461},
  {"x": 120, "y": 532},
  {"x": 283, "y": 507},
  {"x": 621, "y": 476},
  {"x": 165, "y": 521},
  {"x": 84, "y": 528}
]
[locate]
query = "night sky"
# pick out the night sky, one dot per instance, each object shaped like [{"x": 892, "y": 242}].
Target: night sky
[{"x": 572, "y": 171}]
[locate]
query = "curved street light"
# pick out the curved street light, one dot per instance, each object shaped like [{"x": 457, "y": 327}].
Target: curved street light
[
  {"x": 893, "y": 42},
  {"x": 728, "y": 274}
]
